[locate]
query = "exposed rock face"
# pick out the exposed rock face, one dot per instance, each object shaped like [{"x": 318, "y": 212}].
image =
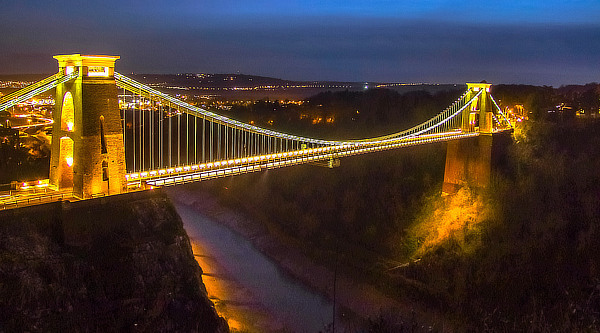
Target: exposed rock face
[{"x": 121, "y": 263}]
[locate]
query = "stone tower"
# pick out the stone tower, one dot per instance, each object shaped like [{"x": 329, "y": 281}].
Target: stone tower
[
  {"x": 468, "y": 161},
  {"x": 87, "y": 153},
  {"x": 478, "y": 116}
]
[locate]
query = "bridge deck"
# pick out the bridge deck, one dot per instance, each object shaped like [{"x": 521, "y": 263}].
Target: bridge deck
[
  {"x": 38, "y": 192},
  {"x": 205, "y": 171}
]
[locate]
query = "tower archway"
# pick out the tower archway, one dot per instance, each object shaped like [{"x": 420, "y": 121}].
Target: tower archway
[{"x": 65, "y": 164}]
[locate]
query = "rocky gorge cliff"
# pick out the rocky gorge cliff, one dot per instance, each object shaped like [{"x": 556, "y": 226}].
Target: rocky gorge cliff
[{"x": 120, "y": 263}]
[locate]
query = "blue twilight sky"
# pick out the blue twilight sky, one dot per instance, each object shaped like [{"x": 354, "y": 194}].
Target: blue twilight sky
[{"x": 535, "y": 42}]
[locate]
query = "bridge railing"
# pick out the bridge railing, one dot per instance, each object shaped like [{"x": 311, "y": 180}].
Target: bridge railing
[{"x": 16, "y": 202}]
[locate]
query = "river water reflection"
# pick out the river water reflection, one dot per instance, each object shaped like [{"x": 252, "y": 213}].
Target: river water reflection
[{"x": 246, "y": 286}]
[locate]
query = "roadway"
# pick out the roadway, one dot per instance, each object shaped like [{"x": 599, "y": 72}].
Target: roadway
[
  {"x": 205, "y": 171},
  {"x": 38, "y": 192}
]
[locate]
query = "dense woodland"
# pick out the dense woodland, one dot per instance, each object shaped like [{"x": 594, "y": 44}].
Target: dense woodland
[
  {"x": 355, "y": 114},
  {"x": 539, "y": 100},
  {"x": 521, "y": 254},
  {"x": 347, "y": 114}
]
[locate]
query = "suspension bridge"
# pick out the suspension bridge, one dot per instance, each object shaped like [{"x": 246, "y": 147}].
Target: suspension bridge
[{"x": 112, "y": 134}]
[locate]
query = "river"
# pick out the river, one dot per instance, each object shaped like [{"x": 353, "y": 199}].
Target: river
[{"x": 248, "y": 288}]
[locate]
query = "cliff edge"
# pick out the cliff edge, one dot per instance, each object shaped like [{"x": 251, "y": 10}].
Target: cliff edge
[{"x": 120, "y": 263}]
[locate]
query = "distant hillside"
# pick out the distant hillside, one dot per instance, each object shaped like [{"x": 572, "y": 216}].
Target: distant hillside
[
  {"x": 213, "y": 80},
  {"x": 23, "y": 77},
  {"x": 242, "y": 86}
]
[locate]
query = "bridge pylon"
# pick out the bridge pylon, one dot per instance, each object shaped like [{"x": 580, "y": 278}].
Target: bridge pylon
[
  {"x": 468, "y": 161},
  {"x": 479, "y": 117},
  {"x": 87, "y": 154}
]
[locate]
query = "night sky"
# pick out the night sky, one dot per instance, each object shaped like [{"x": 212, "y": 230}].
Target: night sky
[{"x": 551, "y": 42}]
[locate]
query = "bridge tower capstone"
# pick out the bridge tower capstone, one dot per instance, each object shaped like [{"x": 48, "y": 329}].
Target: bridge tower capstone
[{"x": 87, "y": 154}]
